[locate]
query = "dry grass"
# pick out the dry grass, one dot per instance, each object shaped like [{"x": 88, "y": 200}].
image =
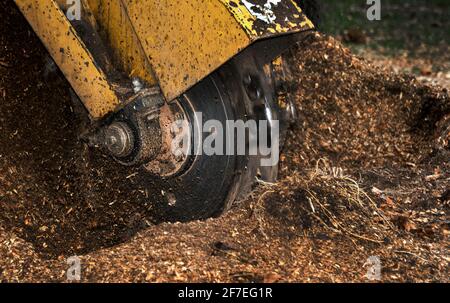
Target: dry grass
[{"x": 329, "y": 197}]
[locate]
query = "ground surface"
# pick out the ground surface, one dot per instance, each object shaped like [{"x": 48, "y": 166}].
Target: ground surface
[
  {"x": 411, "y": 37},
  {"x": 366, "y": 173}
]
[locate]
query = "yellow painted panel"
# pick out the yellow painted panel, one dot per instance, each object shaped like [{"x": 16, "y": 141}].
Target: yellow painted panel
[
  {"x": 173, "y": 43},
  {"x": 115, "y": 26},
  {"x": 185, "y": 40},
  {"x": 71, "y": 55},
  {"x": 264, "y": 18}
]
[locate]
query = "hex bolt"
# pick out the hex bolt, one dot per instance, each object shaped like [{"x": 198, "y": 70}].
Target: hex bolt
[
  {"x": 111, "y": 140},
  {"x": 119, "y": 139},
  {"x": 137, "y": 85}
]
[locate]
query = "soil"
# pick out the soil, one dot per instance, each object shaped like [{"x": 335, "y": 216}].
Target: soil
[{"x": 366, "y": 172}]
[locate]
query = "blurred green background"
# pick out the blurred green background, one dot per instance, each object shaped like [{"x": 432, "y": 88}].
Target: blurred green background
[{"x": 418, "y": 28}]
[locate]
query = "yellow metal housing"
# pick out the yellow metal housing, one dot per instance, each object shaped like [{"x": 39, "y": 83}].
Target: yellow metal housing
[
  {"x": 186, "y": 40},
  {"x": 170, "y": 43},
  {"x": 115, "y": 26},
  {"x": 71, "y": 55}
]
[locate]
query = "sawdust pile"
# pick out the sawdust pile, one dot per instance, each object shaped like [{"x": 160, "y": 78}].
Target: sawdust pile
[{"x": 366, "y": 172}]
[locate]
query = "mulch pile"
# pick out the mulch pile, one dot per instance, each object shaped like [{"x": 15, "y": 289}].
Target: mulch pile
[{"x": 366, "y": 172}]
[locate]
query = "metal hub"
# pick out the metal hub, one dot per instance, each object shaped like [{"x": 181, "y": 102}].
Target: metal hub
[
  {"x": 119, "y": 139},
  {"x": 187, "y": 185},
  {"x": 176, "y": 140}
]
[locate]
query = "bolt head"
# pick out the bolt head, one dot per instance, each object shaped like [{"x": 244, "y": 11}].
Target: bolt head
[{"x": 119, "y": 139}]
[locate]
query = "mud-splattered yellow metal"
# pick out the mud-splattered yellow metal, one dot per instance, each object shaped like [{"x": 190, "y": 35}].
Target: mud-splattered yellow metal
[
  {"x": 71, "y": 55},
  {"x": 187, "y": 40},
  {"x": 115, "y": 24},
  {"x": 262, "y": 18},
  {"x": 170, "y": 43}
]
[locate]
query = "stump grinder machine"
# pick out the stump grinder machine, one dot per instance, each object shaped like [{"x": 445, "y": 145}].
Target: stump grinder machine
[{"x": 138, "y": 66}]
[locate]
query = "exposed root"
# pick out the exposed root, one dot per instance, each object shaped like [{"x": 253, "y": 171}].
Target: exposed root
[{"x": 327, "y": 196}]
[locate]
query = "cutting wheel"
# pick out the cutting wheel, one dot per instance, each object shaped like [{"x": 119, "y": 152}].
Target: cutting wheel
[
  {"x": 200, "y": 186},
  {"x": 207, "y": 185}
]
